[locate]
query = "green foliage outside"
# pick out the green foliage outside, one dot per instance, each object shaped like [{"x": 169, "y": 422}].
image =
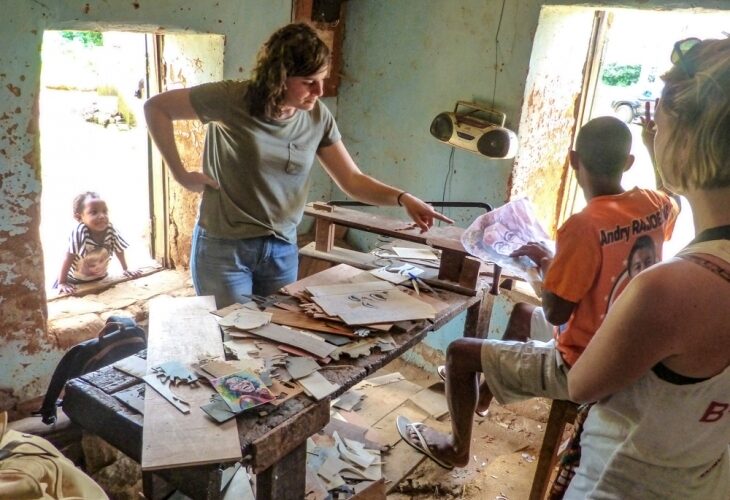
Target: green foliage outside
[
  {"x": 126, "y": 112},
  {"x": 86, "y": 38},
  {"x": 621, "y": 75}
]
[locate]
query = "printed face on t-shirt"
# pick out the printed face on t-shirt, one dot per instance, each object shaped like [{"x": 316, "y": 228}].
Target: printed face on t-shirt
[
  {"x": 93, "y": 265},
  {"x": 640, "y": 260}
]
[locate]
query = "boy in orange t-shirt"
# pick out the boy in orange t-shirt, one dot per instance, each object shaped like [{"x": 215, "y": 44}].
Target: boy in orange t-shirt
[{"x": 590, "y": 268}]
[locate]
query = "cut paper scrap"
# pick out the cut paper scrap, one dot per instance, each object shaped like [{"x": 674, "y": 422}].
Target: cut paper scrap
[
  {"x": 242, "y": 390},
  {"x": 245, "y": 319},
  {"x": 415, "y": 253}
]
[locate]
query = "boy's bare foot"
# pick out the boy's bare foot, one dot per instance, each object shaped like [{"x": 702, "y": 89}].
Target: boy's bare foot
[{"x": 440, "y": 446}]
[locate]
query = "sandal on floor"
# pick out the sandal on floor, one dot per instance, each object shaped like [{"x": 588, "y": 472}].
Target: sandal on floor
[
  {"x": 441, "y": 370},
  {"x": 404, "y": 425}
]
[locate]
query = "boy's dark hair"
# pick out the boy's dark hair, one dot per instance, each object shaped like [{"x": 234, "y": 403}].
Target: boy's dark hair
[
  {"x": 294, "y": 50},
  {"x": 80, "y": 201},
  {"x": 603, "y": 145}
]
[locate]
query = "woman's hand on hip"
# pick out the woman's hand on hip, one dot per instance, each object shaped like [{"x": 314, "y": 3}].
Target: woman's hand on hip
[{"x": 196, "y": 181}]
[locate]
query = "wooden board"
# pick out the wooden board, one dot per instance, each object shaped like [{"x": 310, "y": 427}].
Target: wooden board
[
  {"x": 301, "y": 320},
  {"x": 360, "y": 308},
  {"x": 183, "y": 329},
  {"x": 297, "y": 338},
  {"x": 341, "y": 273},
  {"x": 445, "y": 236}
]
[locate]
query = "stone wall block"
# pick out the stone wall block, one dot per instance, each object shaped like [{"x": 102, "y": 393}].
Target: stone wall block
[{"x": 72, "y": 330}]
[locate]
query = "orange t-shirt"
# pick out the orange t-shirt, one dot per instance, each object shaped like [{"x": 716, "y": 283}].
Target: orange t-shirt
[{"x": 591, "y": 265}]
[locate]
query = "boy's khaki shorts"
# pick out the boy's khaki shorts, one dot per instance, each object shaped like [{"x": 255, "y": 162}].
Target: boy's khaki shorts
[{"x": 515, "y": 371}]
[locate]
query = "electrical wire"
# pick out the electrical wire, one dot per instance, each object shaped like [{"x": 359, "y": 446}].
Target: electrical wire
[
  {"x": 496, "y": 52},
  {"x": 447, "y": 181}
]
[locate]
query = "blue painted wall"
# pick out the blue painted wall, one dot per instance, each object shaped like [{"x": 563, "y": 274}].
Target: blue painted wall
[{"x": 408, "y": 61}]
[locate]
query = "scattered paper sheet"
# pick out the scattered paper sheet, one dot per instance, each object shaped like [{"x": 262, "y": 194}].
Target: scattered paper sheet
[
  {"x": 364, "y": 308},
  {"x": 415, "y": 253}
]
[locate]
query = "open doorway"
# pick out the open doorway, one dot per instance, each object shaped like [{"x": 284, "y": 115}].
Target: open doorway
[
  {"x": 93, "y": 138},
  {"x": 635, "y": 55},
  {"x": 584, "y": 62}
]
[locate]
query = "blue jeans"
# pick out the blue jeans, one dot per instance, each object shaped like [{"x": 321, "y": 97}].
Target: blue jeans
[{"x": 231, "y": 270}]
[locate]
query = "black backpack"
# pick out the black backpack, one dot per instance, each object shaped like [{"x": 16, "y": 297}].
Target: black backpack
[{"x": 120, "y": 337}]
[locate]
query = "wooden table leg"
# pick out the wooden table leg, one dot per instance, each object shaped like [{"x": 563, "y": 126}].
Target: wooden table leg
[
  {"x": 472, "y": 322},
  {"x": 285, "y": 480}
]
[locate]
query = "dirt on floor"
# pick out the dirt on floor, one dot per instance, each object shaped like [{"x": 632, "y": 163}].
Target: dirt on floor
[{"x": 505, "y": 446}]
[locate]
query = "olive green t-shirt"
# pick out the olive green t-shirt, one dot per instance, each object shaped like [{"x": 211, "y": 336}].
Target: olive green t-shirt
[{"x": 262, "y": 165}]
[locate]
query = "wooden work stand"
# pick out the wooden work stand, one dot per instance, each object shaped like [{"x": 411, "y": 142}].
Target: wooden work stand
[
  {"x": 274, "y": 446},
  {"x": 458, "y": 270}
]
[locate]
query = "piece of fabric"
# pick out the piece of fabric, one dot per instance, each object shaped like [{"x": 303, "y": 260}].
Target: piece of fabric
[
  {"x": 263, "y": 166},
  {"x": 658, "y": 440},
  {"x": 91, "y": 257},
  {"x": 233, "y": 269},
  {"x": 515, "y": 371},
  {"x": 35, "y": 469},
  {"x": 591, "y": 265},
  {"x": 540, "y": 327}
]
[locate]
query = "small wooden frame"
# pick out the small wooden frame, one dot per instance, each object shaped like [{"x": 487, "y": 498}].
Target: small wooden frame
[
  {"x": 324, "y": 231},
  {"x": 457, "y": 266}
]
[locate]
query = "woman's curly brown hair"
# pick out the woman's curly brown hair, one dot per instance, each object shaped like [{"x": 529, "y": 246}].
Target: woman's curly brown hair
[{"x": 294, "y": 50}]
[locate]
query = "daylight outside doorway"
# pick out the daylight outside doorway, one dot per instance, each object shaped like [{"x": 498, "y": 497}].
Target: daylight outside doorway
[
  {"x": 93, "y": 138},
  {"x": 636, "y": 54}
]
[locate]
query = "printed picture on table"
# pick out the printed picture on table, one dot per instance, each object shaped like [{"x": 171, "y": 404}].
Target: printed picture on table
[{"x": 242, "y": 390}]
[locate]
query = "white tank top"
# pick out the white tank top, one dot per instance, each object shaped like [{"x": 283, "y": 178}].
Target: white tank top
[{"x": 659, "y": 440}]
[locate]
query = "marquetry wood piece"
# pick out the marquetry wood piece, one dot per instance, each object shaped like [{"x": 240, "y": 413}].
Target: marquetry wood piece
[
  {"x": 182, "y": 329},
  {"x": 305, "y": 341},
  {"x": 301, "y": 320}
]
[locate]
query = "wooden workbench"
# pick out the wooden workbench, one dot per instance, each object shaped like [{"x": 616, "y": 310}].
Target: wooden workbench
[{"x": 274, "y": 445}]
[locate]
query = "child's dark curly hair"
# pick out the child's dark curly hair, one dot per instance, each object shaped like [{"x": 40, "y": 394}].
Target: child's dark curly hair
[
  {"x": 294, "y": 50},
  {"x": 80, "y": 202}
]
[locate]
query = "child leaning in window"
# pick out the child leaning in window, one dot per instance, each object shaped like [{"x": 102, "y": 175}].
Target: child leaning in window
[{"x": 91, "y": 245}]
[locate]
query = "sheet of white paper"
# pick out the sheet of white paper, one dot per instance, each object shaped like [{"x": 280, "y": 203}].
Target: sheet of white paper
[{"x": 415, "y": 253}]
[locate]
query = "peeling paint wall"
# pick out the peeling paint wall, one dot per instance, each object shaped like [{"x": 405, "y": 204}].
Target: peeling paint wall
[
  {"x": 407, "y": 61},
  {"x": 549, "y": 110},
  {"x": 27, "y": 353}
]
